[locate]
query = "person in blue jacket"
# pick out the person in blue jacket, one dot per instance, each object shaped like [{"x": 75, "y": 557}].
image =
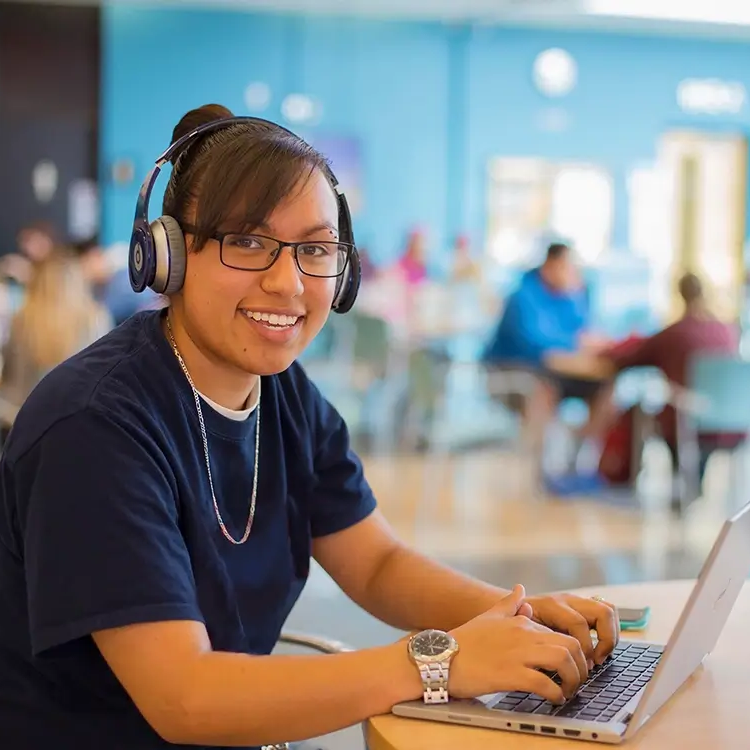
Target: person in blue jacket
[
  {"x": 164, "y": 492},
  {"x": 549, "y": 311}
]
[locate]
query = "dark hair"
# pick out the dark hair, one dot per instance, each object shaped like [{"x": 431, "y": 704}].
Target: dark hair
[
  {"x": 690, "y": 288},
  {"x": 248, "y": 166},
  {"x": 557, "y": 250}
]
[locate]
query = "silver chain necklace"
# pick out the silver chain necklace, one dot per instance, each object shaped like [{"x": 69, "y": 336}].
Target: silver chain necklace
[{"x": 197, "y": 398}]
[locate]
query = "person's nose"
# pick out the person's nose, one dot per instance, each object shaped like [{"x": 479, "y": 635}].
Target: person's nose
[{"x": 283, "y": 278}]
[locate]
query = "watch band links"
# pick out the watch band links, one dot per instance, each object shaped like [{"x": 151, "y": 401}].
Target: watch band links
[{"x": 435, "y": 681}]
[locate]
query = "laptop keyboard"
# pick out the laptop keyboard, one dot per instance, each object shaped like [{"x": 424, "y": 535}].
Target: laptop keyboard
[{"x": 608, "y": 689}]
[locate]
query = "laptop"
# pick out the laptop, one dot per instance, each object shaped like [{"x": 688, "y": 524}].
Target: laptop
[{"x": 622, "y": 694}]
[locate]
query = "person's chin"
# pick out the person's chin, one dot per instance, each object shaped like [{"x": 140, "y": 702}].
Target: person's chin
[
  {"x": 268, "y": 365},
  {"x": 266, "y": 360}
]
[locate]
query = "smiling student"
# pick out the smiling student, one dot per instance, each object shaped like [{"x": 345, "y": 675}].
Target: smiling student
[{"x": 163, "y": 492}]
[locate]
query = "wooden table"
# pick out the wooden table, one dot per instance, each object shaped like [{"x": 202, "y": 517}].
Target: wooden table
[
  {"x": 711, "y": 711},
  {"x": 580, "y": 365}
]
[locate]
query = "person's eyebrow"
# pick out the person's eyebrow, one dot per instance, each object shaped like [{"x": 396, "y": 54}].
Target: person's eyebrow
[{"x": 323, "y": 226}]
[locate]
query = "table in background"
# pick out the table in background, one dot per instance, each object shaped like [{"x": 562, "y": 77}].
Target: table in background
[
  {"x": 710, "y": 711},
  {"x": 580, "y": 365}
]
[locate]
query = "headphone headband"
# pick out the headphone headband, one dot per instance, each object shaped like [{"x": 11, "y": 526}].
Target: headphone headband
[
  {"x": 208, "y": 127},
  {"x": 156, "y": 261}
]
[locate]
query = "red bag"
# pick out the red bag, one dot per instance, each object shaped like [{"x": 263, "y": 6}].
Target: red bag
[{"x": 616, "y": 461}]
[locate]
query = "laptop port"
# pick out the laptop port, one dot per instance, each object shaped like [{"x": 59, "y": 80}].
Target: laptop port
[
  {"x": 572, "y": 732},
  {"x": 548, "y": 730},
  {"x": 528, "y": 728}
]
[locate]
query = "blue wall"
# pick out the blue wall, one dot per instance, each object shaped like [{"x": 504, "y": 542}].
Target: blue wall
[{"x": 430, "y": 102}]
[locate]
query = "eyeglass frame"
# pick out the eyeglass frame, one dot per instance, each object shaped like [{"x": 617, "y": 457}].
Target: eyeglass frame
[{"x": 219, "y": 237}]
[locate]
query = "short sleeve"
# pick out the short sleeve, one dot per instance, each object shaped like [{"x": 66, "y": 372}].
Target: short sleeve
[
  {"x": 341, "y": 496},
  {"x": 99, "y": 531}
]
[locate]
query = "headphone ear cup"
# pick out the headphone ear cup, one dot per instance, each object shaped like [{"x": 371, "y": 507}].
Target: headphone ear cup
[
  {"x": 141, "y": 256},
  {"x": 348, "y": 288},
  {"x": 170, "y": 254}
]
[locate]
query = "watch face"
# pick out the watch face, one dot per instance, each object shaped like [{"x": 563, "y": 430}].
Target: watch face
[{"x": 432, "y": 643}]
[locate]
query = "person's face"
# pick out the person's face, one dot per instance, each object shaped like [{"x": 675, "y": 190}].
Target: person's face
[
  {"x": 220, "y": 304},
  {"x": 563, "y": 273},
  {"x": 416, "y": 248},
  {"x": 35, "y": 244}
]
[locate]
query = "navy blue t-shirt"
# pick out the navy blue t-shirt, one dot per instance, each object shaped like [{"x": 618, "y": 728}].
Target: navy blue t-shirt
[{"x": 106, "y": 519}]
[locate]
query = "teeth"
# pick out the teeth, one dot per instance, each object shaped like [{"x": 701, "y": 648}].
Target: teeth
[{"x": 273, "y": 319}]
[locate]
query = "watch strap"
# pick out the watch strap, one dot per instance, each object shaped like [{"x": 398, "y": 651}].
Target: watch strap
[{"x": 435, "y": 681}]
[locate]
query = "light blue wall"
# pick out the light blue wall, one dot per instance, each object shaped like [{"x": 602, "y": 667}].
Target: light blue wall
[{"x": 430, "y": 102}]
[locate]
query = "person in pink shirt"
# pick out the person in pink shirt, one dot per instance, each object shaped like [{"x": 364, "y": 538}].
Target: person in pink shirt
[{"x": 411, "y": 266}]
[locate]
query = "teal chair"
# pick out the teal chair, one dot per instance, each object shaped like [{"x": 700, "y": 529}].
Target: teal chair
[
  {"x": 713, "y": 413},
  {"x": 721, "y": 385}
]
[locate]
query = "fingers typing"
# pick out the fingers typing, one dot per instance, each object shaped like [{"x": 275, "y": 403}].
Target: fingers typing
[
  {"x": 538, "y": 683},
  {"x": 607, "y": 629},
  {"x": 554, "y": 658},
  {"x": 578, "y": 627}
]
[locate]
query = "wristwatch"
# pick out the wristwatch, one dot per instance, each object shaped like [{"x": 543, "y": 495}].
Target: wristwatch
[{"x": 432, "y": 652}]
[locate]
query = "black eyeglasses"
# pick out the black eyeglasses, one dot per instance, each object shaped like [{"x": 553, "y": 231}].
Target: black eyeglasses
[{"x": 256, "y": 252}]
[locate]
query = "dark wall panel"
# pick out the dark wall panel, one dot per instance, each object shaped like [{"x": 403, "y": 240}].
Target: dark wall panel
[{"x": 49, "y": 107}]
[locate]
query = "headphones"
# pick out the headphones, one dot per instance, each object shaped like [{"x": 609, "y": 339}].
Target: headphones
[{"x": 158, "y": 254}]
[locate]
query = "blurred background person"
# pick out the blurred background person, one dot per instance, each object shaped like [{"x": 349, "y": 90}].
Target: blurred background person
[
  {"x": 411, "y": 267},
  {"x": 671, "y": 351},
  {"x": 548, "y": 312},
  {"x": 106, "y": 271},
  {"x": 58, "y": 317},
  {"x": 465, "y": 267},
  {"x": 35, "y": 243}
]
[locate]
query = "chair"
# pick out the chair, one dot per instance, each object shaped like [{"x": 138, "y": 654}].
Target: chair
[
  {"x": 439, "y": 389},
  {"x": 313, "y": 642},
  {"x": 291, "y": 642},
  {"x": 430, "y": 383},
  {"x": 715, "y": 405},
  {"x": 350, "y": 362}
]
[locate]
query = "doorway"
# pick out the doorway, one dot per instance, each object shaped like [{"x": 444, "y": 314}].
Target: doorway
[{"x": 707, "y": 178}]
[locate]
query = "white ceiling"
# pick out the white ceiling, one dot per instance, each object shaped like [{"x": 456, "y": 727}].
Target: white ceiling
[{"x": 722, "y": 18}]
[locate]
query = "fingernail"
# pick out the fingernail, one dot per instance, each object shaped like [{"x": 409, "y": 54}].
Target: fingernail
[{"x": 590, "y": 663}]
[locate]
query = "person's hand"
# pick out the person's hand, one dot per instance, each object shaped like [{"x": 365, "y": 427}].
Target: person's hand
[
  {"x": 16, "y": 267},
  {"x": 577, "y": 616},
  {"x": 504, "y": 650},
  {"x": 593, "y": 343}
]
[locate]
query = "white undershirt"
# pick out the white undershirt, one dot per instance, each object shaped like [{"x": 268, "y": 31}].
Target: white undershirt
[{"x": 238, "y": 415}]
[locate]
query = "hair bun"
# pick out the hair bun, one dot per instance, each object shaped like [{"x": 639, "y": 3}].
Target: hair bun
[{"x": 197, "y": 117}]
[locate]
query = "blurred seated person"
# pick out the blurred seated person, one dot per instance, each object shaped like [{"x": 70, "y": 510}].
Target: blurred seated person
[
  {"x": 36, "y": 242},
  {"x": 107, "y": 273},
  {"x": 671, "y": 350},
  {"x": 391, "y": 292},
  {"x": 465, "y": 268},
  {"x": 57, "y": 318},
  {"x": 412, "y": 266},
  {"x": 548, "y": 312}
]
